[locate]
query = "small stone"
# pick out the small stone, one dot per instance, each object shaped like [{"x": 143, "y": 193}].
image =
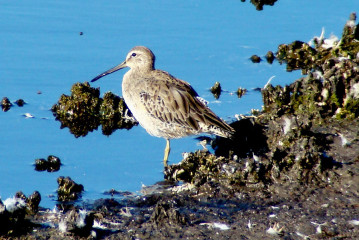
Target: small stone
[
  {"x": 20, "y": 102},
  {"x": 54, "y": 163},
  {"x": 41, "y": 164},
  {"x": 255, "y": 59},
  {"x": 270, "y": 57},
  {"x": 241, "y": 91},
  {"x": 216, "y": 90},
  {"x": 5, "y": 104}
]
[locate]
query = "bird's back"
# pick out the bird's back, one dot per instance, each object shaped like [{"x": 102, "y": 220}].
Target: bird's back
[{"x": 168, "y": 107}]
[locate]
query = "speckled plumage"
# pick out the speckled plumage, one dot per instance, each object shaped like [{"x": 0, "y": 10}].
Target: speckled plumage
[{"x": 164, "y": 105}]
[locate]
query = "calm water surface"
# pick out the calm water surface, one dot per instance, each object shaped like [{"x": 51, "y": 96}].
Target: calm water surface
[{"x": 41, "y": 50}]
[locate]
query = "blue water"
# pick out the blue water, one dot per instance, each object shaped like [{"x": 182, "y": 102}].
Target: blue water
[{"x": 42, "y": 51}]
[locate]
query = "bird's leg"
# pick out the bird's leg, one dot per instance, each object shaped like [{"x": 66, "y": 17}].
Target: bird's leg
[{"x": 167, "y": 152}]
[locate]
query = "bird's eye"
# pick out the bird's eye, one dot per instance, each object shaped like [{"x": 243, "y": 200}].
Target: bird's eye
[{"x": 134, "y": 54}]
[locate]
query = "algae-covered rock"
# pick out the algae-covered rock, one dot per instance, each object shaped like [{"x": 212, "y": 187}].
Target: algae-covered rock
[
  {"x": 52, "y": 164},
  {"x": 68, "y": 189},
  {"x": 15, "y": 213},
  {"x": 32, "y": 202},
  {"x": 270, "y": 57},
  {"x": 216, "y": 90},
  {"x": 114, "y": 114},
  {"x": 5, "y": 104},
  {"x": 204, "y": 170},
  {"x": 333, "y": 93},
  {"x": 79, "y": 111},
  {"x": 297, "y": 55},
  {"x": 84, "y": 110},
  {"x": 241, "y": 91},
  {"x": 300, "y": 55},
  {"x": 286, "y": 141}
]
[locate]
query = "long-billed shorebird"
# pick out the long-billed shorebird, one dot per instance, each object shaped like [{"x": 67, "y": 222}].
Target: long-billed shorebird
[{"x": 164, "y": 105}]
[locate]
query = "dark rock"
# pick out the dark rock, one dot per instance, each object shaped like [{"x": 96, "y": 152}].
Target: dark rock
[
  {"x": 270, "y": 57},
  {"x": 260, "y": 3},
  {"x": 68, "y": 190},
  {"x": 41, "y": 164},
  {"x": 5, "y": 104},
  {"x": 20, "y": 102},
  {"x": 54, "y": 163},
  {"x": 297, "y": 55},
  {"x": 255, "y": 59},
  {"x": 33, "y": 201},
  {"x": 216, "y": 90},
  {"x": 15, "y": 215},
  {"x": 241, "y": 91}
]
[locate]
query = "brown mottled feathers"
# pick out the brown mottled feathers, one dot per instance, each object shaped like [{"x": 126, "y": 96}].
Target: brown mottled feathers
[{"x": 175, "y": 102}]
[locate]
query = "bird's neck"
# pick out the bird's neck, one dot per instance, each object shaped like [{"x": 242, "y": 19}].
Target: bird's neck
[{"x": 138, "y": 71}]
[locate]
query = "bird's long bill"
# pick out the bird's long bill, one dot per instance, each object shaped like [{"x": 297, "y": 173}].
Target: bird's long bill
[{"x": 114, "y": 69}]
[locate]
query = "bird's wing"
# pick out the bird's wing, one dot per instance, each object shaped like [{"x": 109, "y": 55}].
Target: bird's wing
[{"x": 175, "y": 101}]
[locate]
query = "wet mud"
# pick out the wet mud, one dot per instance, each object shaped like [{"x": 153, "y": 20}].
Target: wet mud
[{"x": 291, "y": 171}]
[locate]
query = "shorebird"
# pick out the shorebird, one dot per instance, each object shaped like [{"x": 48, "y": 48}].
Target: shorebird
[{"x": 164, "y": 106}]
